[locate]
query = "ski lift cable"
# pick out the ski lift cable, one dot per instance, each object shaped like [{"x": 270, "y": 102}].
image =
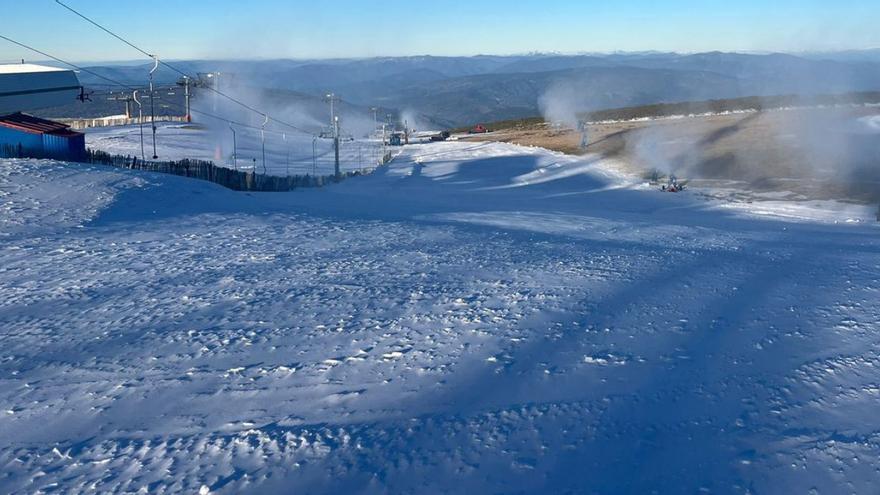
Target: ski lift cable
[
  {"x": 102, "y": 28},
  {"x": 82, "y": 69},
  {"x": 129, "y": 87},
  {"x": 175, "y": 69}
]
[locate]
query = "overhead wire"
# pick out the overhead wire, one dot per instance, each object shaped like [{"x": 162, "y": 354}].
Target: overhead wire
[
  {"x": 82, "y": 69},
  {"x": 111, "y": 33},
  {"x": 183, "y": 73},
  {"x": 116, "y": 83}
]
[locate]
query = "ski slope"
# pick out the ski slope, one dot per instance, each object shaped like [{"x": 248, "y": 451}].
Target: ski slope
[
  {"x": 472, "y": 318},
  {"x": 293, "y": 154}
]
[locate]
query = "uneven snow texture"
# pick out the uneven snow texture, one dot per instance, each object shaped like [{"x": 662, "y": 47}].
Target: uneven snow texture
[{"x": 471, "y": 319}]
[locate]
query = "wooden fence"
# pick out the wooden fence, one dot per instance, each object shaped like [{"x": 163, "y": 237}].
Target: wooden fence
[
  {"x": 117, "y": 120},
  {"x": 205, "y": 170}
]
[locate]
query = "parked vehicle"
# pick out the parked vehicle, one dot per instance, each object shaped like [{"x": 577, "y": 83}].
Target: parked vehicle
[
  {"x": 443, "y": 136},
  {"x": 396, "y": 139}
]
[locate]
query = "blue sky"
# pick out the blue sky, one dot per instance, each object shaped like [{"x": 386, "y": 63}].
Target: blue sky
[{"x": 347, "y": 28}]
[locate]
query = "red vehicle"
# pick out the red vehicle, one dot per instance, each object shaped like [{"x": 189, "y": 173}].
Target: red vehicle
[{"x": 479, "y": 129}]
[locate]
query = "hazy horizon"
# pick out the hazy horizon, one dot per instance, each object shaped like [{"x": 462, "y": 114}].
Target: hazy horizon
[
  {"x": 135, "y": 61},
  {"x": 273, "y": 29}
]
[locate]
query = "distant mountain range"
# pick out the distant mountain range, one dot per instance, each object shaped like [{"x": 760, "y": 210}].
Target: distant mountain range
[{"x": 456, "y": 91}]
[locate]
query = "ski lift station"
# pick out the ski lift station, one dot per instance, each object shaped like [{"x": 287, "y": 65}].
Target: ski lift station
[{"x": 28, "y": 87}]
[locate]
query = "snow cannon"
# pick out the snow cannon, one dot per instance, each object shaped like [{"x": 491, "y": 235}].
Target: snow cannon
[{"x": 674, "y": 185}]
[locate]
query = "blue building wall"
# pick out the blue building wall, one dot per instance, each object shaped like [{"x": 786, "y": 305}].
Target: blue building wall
[
  {"x": 25, "y": 144},
  {"x": 28, "y": 143},
  {"x": 71, "y": 147}
]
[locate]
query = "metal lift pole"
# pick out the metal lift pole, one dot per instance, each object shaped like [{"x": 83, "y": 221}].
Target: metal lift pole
[
  {"x": 336, "y": 170},
  {"x": 263, "y": 140},
  {"x": 187, "y": 95},
  {"x": 140, "y": 122},
  {"x": 153, "y": 105},
  {"x": 234, "y": 149}
]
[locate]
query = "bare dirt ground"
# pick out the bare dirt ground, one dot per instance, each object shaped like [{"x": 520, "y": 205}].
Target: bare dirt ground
[{"x": 808, "y": 154}]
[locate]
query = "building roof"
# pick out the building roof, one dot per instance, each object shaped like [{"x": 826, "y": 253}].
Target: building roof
[
  {"x": 35, "y": 125},
  {"x": 28, "y": 87},
  {"x": 28, "y": 69}
]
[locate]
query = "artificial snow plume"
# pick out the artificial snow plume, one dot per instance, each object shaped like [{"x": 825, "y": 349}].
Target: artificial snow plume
[
  {"x": 357, "y": 124},
  {"x": 801, "y": 148},
  {"x": 298, "y": 116},
  {"x": 659, "y": 149},
  {"x": 562, "y": 103},
  {"x": 869, "y": 125},
  {"x": 414, "y": 120}
]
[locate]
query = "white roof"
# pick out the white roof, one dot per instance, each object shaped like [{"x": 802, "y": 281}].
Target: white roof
[
  {"x": 28, "y": 87},
  {"x": 28, "y": 69}
]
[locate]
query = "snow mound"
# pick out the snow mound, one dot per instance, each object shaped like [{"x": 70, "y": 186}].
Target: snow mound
[{"x": 43, "y": 195}]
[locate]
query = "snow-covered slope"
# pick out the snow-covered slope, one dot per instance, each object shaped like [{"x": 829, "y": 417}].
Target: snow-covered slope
[
  {"x": 473, "y": 318},
  {"x": 285, "y": 155}
]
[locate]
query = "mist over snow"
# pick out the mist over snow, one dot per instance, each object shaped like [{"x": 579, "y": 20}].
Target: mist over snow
[
  {"x": 462, "y": 91},
  {"x": 795, "y": 150},
  {"x": 415, "y": 121},
  {"x": 282, "y": 108},
  {"x": 562, "y": 103},
  {"x": 869, "y": 125}
]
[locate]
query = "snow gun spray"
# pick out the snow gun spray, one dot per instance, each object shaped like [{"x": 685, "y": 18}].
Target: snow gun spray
[{"x": 582, "y": 127}]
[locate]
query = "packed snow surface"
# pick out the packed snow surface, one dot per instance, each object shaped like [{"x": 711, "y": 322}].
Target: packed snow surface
[
  {"x": 287, "y": 154},
  {"x": 472, "y": 318}
]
